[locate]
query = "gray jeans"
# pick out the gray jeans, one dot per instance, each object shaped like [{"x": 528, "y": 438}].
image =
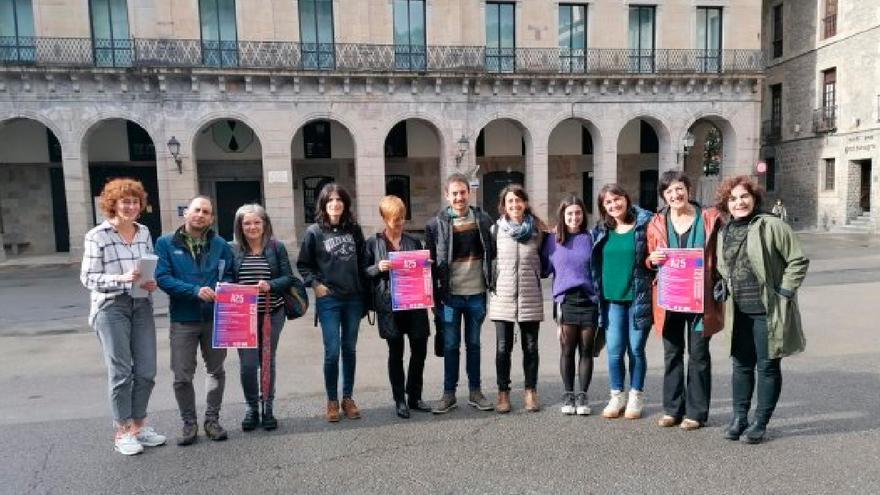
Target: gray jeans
[
  {"x": 186, "y": 338},
  {"x": 127, "y": 333}
]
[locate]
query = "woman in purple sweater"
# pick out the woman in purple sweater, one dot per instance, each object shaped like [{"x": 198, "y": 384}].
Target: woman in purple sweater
[{"x": 567, "y": 256}]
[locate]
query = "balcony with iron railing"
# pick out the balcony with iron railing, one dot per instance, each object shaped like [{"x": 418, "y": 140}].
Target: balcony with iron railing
[
  {"x": 368, "y": 58},
  {"x": 829, "y": 26},
  {"x": 771, "y": 131},
  {"x": 825, "y": 119}
]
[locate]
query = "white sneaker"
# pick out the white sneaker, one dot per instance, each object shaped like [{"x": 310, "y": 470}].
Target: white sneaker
[
  {"x": 582, "y": 405},
  {"x": 634, "y": 405},
  {"x": 149, "y": 438},
  {"x": 127, "y": 444},
  {"x": 568, "y": 403},
  {"x": 616, "y": 405}
]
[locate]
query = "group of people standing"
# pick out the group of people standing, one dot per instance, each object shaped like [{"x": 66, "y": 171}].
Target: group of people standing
[{"x": 604, "y": 291}]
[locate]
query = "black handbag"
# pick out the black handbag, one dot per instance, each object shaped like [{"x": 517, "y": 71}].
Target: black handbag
[{"x": 296, "y": 300}]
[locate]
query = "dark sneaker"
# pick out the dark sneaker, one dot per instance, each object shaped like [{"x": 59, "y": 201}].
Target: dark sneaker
[
  {"x": 478, "y": 400},
  {"x": 446, "y": 404},
  {"x": 214, "y": 431},
  {"x": 188, "y": 434}
]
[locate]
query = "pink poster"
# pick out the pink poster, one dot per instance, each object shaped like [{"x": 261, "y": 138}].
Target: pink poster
[
  {"x": 680, "y": 281},
  {"x": 411, "y": 285},
  {"x": 235, "y": 316}
]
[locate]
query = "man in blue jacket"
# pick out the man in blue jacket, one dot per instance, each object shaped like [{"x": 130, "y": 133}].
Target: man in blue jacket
[{"x": 191, "y": 262}]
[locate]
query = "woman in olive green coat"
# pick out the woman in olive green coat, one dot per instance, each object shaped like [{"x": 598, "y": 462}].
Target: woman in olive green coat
[{"x": 762, "y": 266}]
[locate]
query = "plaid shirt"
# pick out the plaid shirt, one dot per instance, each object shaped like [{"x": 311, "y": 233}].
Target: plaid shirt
[{"x": 107, "y": 256}]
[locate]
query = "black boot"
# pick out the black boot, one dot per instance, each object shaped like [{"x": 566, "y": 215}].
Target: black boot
[
  {"x": 736, "y": 427},
  {"x": 251, "y": 417},
  {"x": 755, "y": 432},
  {"x": 269, "y": 421},
  {"x": 401, "y": 409}
]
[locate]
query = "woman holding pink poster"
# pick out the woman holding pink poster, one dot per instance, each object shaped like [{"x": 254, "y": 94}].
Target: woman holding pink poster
[
  {"x": 393, "y": 325},
  {"x": 685, "y": 224}
]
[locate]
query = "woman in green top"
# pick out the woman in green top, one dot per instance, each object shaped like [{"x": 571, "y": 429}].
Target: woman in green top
[{"x": 623, "y": 284}]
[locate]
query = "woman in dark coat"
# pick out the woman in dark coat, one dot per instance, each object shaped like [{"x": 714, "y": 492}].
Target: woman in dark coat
[{"x": 394, "y": 325}]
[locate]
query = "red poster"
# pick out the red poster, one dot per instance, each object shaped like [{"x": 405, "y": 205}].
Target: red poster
[
  {"x": 411, "y": 286},
  {"x": 235, "y": 316},
  {"x": 680, "y": 281}
]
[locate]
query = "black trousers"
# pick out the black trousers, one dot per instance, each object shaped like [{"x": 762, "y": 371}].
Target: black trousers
[
  {"x": 691, "y": 401},
  {"x": 749, "y": 353},
  {"x": 409, "y": 384},
  {"x": 504, "y": 347}
]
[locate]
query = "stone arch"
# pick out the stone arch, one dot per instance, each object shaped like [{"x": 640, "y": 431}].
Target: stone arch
[
  {"x": 495, "y": 171},
  {"x": 189, "y": 141},
  {"x": 705, "y": 185},
  {"x": 32, "y": 187},
  {"x": 231, "y": 177},
  {"x": 103, "y": 163},
  {"x": 89, "y": 125},
  {"x": 309, "y": 174},
  {"x": 638, "y": 169},
  {"x": 572, "y": 162},
  {"x": 63, "y": 138},
  {"x": 416, "y": 178}
]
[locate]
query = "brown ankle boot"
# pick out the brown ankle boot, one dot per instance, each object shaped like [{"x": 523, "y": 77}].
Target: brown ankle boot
[
  {"x": 332, "y": 414},
  {"x": 350, "y": 408},
  {"x": 531, "y": 399},
  {"x": 503, "y": 405}
]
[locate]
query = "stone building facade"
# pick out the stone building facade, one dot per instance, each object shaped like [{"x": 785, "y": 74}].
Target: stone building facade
[
  {"x": 269, "y": 99},
  {"x": 822, "y": 141}
]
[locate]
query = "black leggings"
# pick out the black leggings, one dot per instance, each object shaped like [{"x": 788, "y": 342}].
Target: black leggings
[
  {"x": 504, "y": 346},
  {"x": 574, "y": 338}
]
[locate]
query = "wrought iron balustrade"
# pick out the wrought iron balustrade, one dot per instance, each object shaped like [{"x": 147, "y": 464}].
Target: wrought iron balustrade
[
  {"x": 825, "y": 119},
  {"x": 771, "y": 131},
  {"x": 367, "y": 58}
]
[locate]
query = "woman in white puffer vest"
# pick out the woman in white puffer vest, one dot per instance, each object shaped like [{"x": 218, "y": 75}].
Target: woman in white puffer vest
[{"x": 516, "y": 296}]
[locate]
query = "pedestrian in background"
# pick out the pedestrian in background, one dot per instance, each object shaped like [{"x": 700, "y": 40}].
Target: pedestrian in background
[
  {"x": 684, "y": 223},
  {"x": 124, "y": 324},
  {"x": 780, "y": 211},
  {"x": 331, "y": 260},
  {"x": 567, "y": 255},
  {"x": 623, "y": 285},
  {"x": 762, "y": 266},
  {"x": 516, "y": 297},
  {"x": 192, "y": 260},
  {"x": 406, "y": 388},
  {"x": 262, "y": 261}
]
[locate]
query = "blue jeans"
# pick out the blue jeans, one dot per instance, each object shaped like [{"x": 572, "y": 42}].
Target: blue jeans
[
  {"x": 339, "y": 319},
  {"x": 622, "y": 337},
  {"x": 473, "y": 310}
]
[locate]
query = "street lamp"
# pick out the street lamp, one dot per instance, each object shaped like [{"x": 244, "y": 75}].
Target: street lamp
[
  {"x": 174, "y": 149},
  {"x": 463, "y": 146},
  {"x": 687, "y": 143}
]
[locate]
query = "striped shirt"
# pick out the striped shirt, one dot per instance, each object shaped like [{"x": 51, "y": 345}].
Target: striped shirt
[
  {"x": 106, "y": 256},
  {"x": 255, "y": 267}
]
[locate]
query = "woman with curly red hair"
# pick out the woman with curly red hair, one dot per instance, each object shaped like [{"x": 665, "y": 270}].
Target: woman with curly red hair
[
  {"x": 124, "y": 323},
  {"x": 762, "y": 265}
]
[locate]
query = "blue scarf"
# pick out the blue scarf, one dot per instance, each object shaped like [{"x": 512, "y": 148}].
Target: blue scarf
[{"x": 521, "y": 232}]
